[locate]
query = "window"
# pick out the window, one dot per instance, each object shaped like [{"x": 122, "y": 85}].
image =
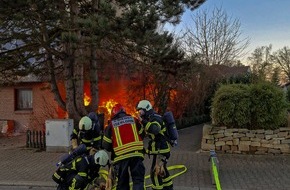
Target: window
[{"x": 23, "y": 99}]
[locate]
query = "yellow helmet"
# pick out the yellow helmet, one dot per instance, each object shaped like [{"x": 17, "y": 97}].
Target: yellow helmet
[{"x": 85, "y": 123}]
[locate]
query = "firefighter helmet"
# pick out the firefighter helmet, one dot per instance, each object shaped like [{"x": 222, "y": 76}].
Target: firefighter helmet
[
  {"x": 117, "y": 109},
  {"x": 101, "y": 158},
  {"x": 145, "y": 105},
  {"x": 85, "y": 123}
]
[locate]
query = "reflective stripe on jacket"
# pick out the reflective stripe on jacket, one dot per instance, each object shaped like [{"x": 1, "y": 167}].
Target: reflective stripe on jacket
[
  {"x": 158, "y": 143},
  {"x": 125, "y": 138}
]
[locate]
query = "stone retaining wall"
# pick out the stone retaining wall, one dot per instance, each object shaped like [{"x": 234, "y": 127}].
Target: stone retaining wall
[{"x": 246, "y": 141}]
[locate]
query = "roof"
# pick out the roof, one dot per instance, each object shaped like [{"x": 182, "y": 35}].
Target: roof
[
  {"x": 228, "y": 71},
  {"x": 29, "y": 78},
  {"x": 23, "y": 79}
]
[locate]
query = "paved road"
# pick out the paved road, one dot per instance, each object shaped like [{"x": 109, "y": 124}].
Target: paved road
[{"x": 29, "y": 168}]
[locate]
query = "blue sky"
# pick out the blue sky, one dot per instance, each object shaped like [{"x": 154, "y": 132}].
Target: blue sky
[{"x": 264, "y": 22}]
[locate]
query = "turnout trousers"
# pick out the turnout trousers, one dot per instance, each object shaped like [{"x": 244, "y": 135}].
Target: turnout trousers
[{"x": 137, "y": 170}]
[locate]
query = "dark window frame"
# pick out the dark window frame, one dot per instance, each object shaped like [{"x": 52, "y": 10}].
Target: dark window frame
[{"x": 28, "y": 106}]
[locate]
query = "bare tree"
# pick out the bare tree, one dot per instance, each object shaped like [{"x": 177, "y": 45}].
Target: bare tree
[
  {"x": 215, "y": 39},
  {"x": 282, "y": 58},
  {"x": 261, "y": 62}
]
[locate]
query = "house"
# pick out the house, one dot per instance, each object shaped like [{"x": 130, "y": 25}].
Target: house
[
  {"x": 26, "y": 104},
  {"x": 29, "y": 102},
  {"x": 226, "y": 71}
]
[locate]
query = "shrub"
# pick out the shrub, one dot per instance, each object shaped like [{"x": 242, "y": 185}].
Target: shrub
[
  {"x": 269, "y": 106},
  {"x": 231, "y": 106},
  {"x": 254, "y": 106}
]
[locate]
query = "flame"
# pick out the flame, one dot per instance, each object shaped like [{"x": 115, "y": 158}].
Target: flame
[
  {"x": 87, "y": 99},
  {"x": 109, "y": 95},
  {"x": 109, "y": 105},
  {"x": 106, "y": 108}
]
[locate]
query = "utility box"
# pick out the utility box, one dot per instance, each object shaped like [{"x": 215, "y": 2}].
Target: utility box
[{"x": 57, "y": 132}]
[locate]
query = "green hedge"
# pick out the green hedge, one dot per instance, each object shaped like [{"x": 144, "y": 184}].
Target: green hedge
[{"x": 254, "y": 106}]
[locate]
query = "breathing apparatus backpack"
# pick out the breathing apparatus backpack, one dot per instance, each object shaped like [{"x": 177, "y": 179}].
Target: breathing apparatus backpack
[
  {"x": 171, "y": 130},
  {"x": 60, "y": 174},
  {"x": 67, "y": 158}
]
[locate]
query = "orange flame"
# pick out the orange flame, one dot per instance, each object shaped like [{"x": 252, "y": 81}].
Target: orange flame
[
  {"x": 87, "y": 99},
  {"x": 109, "y": 105},
  {"x": 106, "y": 108}
]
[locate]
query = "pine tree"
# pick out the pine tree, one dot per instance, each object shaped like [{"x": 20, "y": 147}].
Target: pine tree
[{"x": 62, "y": 37}]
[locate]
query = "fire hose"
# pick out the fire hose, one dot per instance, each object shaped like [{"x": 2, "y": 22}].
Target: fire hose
[
  {"x": 110, "y": 177},
  {"x": 214, "y": 169}
]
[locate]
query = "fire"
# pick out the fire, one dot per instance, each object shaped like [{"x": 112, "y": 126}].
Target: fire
[
  {"x": 110, "y": 93},
  {"x": 108, "y": 105},
  {"x": 106, "y": 108},
  {"x": 87, "y": 99}
]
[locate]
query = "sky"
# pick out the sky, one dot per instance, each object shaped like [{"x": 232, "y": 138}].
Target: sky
[{"x": 264, "y": 22}]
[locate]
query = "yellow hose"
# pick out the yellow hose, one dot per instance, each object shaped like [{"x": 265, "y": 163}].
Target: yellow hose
[
  {"x": 174, "y": 167},
  {"x": 216, "y": 175},
  {"x": 104, "y": 173}
]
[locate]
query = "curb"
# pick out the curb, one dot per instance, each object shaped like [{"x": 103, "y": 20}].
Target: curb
[
  {"x": 53, "y": 185},
  {"x": 28, "y": 183}
]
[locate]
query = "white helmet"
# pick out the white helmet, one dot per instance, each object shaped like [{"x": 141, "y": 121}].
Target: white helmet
[
  {"x": 144, "y": 104},
  {"x": 101, "y": 158},
  {"x": 85, "y": 123}
]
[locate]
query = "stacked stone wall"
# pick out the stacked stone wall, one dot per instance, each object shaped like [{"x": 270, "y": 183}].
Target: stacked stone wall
[{"x": 244, "y": 141}]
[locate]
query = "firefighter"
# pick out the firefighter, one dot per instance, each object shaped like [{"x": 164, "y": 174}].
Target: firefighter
[
  {"x": 78, "y": 173},
  {"x": 158, "y": 145},
  {"x": 123, "y": 137},
  {"x": 88, "y": 133}
]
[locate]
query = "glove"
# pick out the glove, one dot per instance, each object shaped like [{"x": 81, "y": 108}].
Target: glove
[
  {"x": 111, "y": 178},
  {"x": 74, "y": 143},
  {"x": 162, "y": 171},
  {"x": 156, "y": 169},
  {"x": 93, "y": 151},
  {"x": 159, "y": 169}
]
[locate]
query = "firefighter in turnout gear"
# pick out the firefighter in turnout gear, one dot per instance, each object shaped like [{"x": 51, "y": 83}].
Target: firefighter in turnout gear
[
  {"x": 78, "y": 173},
  {"x": 158, "y": 145},
  {"x": 123, "y": 137},
  {"x": 88, "y": 133}
]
